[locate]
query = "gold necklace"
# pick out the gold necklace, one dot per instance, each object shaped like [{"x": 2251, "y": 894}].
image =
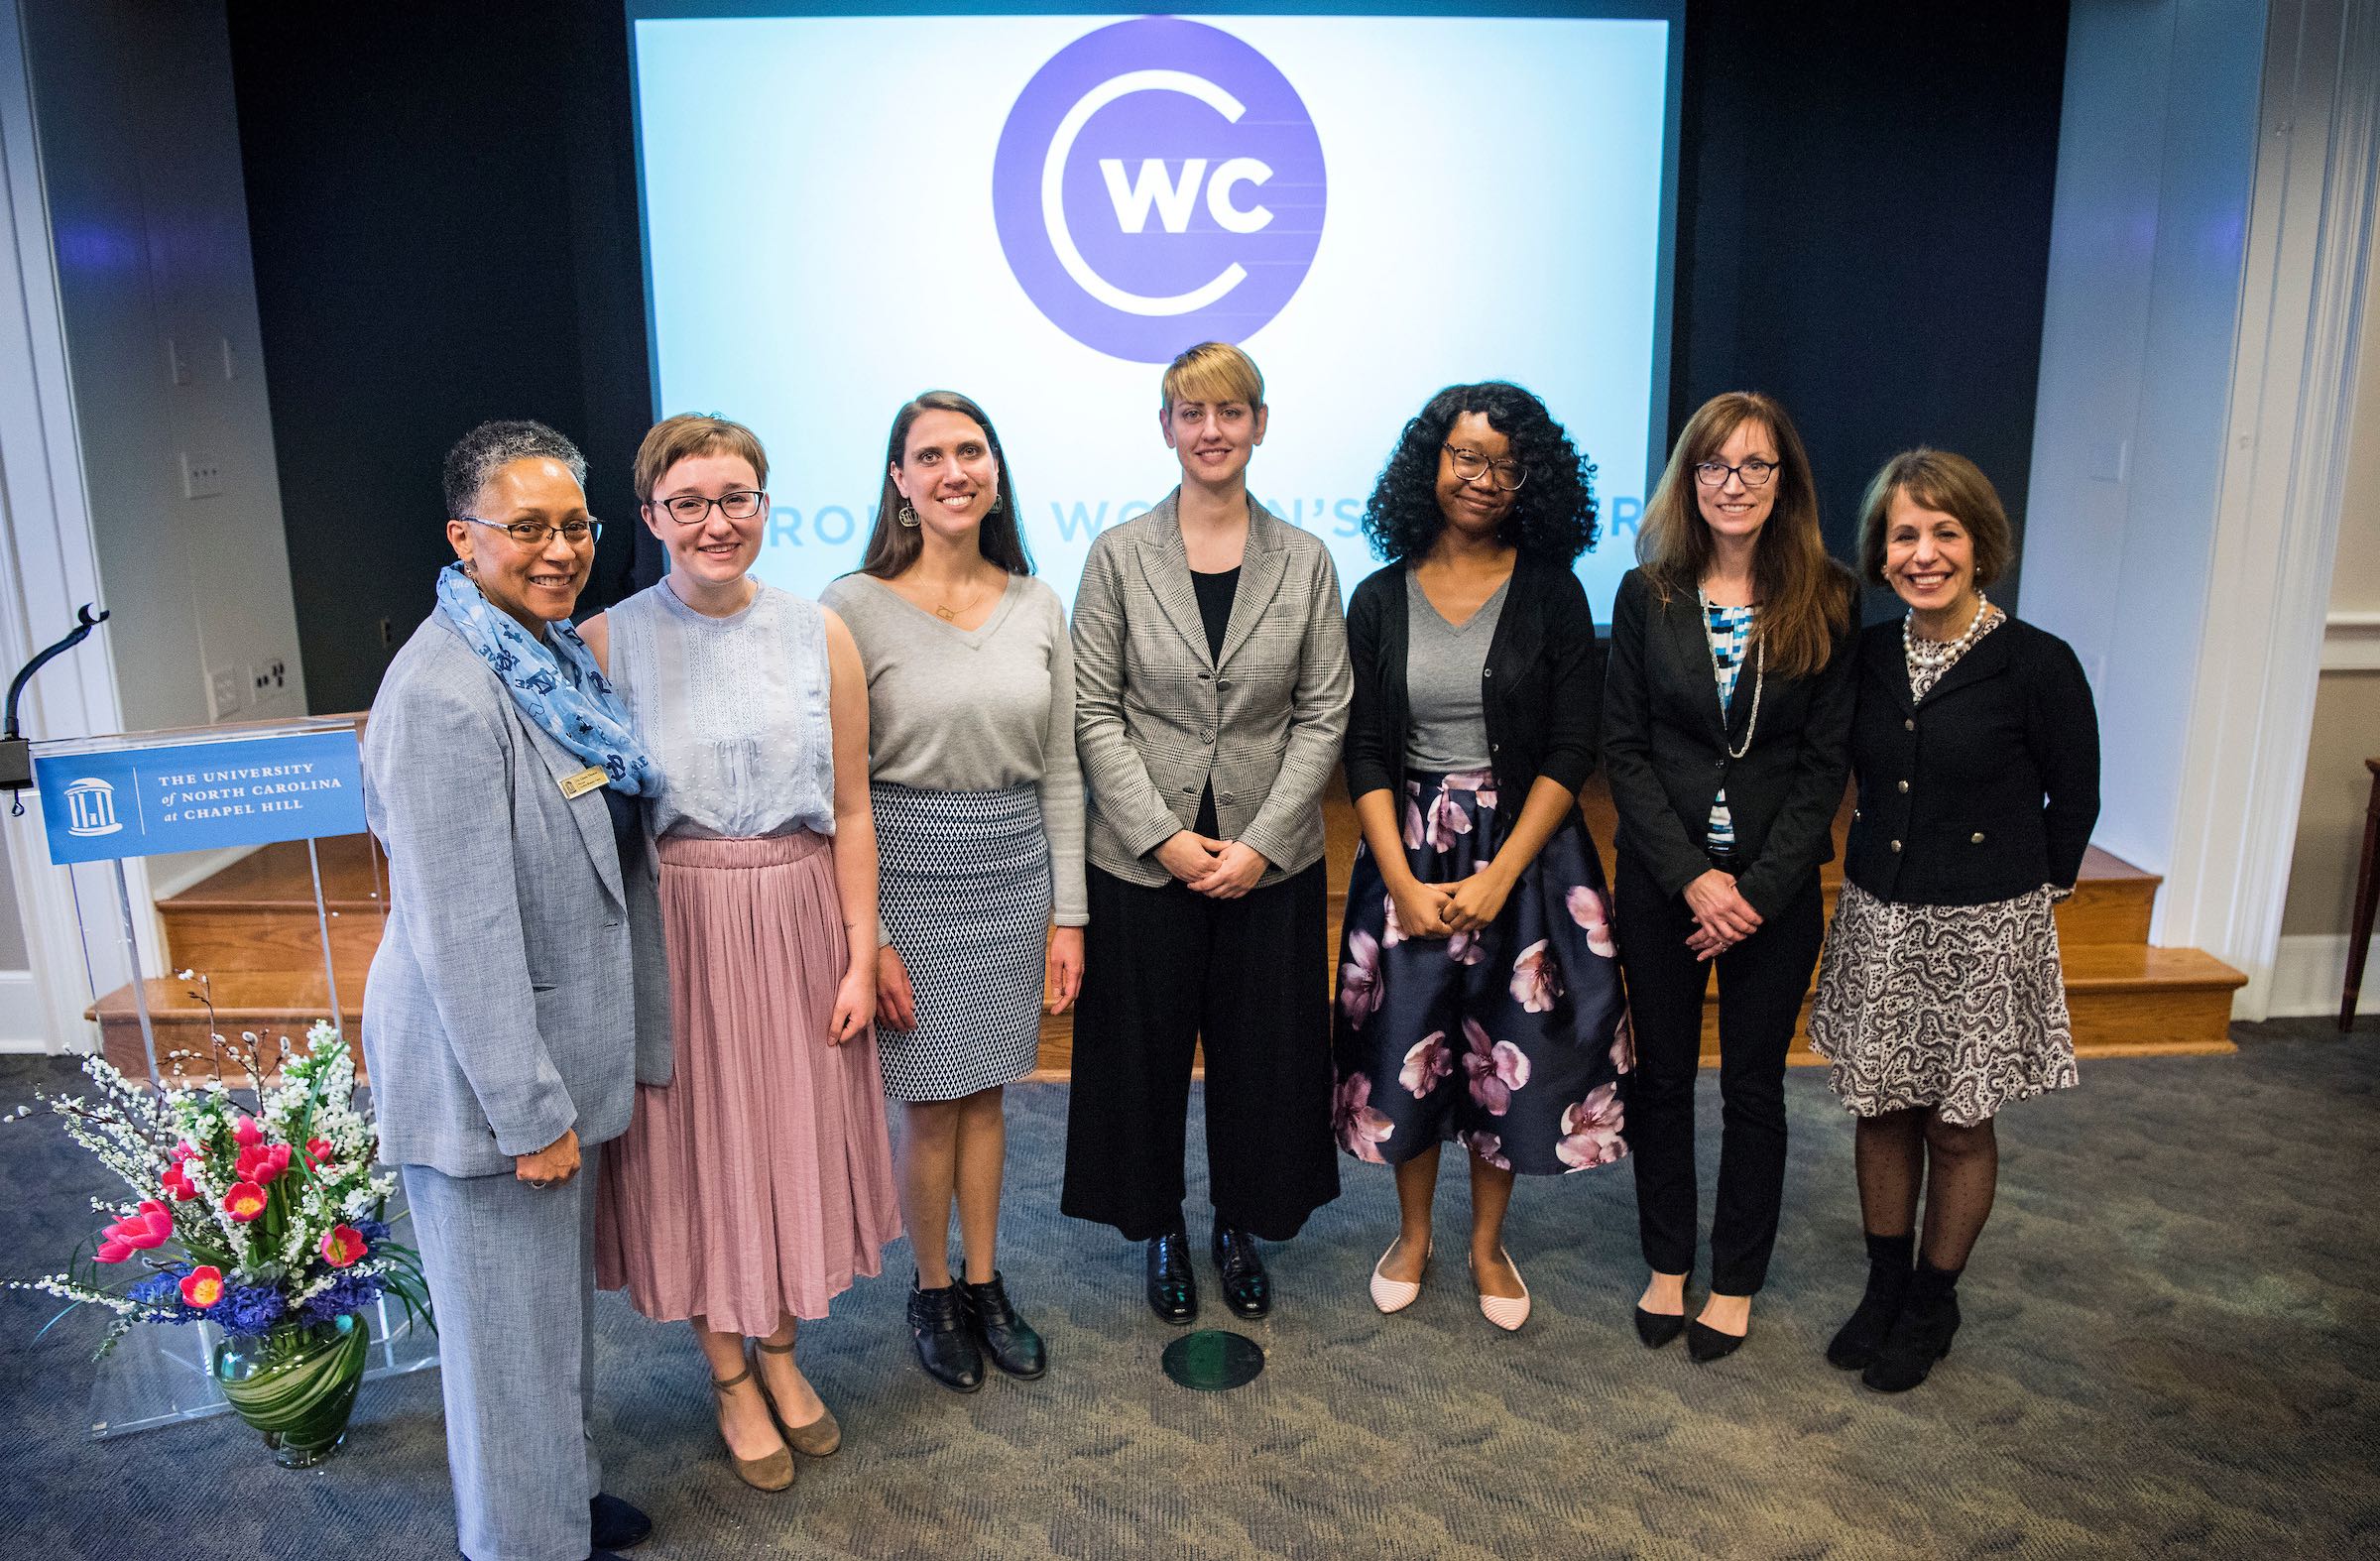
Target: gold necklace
[{"x": 950, "y": 615}]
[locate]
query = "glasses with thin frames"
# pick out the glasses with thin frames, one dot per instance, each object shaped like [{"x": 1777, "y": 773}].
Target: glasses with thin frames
[
  {"x": 533, "y": 533},
  {"x": 1714, "y": 474},
  {"x": 1470, "y": 464},
  {"x": 692, "y": 509}
]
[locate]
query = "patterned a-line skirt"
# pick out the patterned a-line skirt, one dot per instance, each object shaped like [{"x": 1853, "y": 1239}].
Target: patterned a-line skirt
[
  {"x": 964, "y": 889},
  {"x": 1511, "y": 1039},
  {"x": 1960, "y": 1007}
]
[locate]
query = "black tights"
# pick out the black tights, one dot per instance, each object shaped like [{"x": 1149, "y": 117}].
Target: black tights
[{"x": 1892, "y": 1152}]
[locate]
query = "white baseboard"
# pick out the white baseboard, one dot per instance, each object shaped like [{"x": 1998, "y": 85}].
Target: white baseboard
[
  {"x": 20, "y": 1025},
  {"x": 2309, "y": 970}
]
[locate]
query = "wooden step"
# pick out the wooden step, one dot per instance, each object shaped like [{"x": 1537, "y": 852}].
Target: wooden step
[
  {"x": 257, "y": 915},
  {"x": 269, "y": 1004}
]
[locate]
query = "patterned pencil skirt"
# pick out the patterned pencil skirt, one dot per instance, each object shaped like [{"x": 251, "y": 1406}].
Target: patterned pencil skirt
[{"x": 964, "y": 886}]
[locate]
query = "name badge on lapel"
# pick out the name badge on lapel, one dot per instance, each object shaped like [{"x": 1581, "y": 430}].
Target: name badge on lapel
[{"x": 577, "y": 786}]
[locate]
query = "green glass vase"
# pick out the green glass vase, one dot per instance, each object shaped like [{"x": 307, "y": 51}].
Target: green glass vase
[{"x": 296, "y": 1385}]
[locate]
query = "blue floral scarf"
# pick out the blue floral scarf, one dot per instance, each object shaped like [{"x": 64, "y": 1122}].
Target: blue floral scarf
[{"x": 554, "y": 680}]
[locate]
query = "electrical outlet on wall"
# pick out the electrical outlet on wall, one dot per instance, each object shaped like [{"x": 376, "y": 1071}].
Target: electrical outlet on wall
[
  {"x": 225, "y": 692},
  {"x": 201, "y": 475}
]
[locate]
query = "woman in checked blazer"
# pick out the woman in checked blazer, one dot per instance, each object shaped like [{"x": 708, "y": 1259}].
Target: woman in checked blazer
[{"x": 1212, "y": 690}]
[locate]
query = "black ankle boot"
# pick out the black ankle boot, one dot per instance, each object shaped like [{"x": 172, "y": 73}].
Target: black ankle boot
[
  {"x": 1921, "y": 1335},
  {"x": 1006, "y": 1337},
  {"x": 1172, "y": 1288},
  {"x": 946, "y": 1348},
  {"x": 1246, "y": 1288},
  {"x": 1857, "y": 1341}
]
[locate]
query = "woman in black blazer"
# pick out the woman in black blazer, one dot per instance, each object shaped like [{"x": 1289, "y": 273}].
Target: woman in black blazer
[
  {"x": 1727, "y": 714},
  {"x": 1478, "y": 994},
  {"x": 1941, "y": 1000}
]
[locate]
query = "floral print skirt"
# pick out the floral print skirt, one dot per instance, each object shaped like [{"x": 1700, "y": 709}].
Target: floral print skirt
[{"x": 1511, "y": 1039}]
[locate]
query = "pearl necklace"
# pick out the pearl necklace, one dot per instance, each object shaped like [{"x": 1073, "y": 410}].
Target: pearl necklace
[
  {"x": 1938, "y": 655},
  {"x": 1759, "y": 679}
]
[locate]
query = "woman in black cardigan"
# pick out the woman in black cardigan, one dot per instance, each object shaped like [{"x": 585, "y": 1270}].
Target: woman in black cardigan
[
  {"x": 1941, "y": 1000},
  {"x": 1725, "y": 718},
  {"x": 1478, "y": 996}
]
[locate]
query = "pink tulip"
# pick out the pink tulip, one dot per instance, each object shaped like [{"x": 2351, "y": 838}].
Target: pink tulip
[
  {"x": 113, "y": 1251},
  {"x": 178, "y": 1181},
  {"x": 184, "y": 1152},
  {"x": 342, "y": 1245},
  {"x": 244, "y": 1202},
  {"x": 202, "y": 1286},
  {"x": 262, "y": 1163},
  {"x": 319, "y": 1152},
  {"x": 246, "y": 1134}
]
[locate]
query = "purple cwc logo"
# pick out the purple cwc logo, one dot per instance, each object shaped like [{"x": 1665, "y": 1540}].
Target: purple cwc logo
[{"x": 1158, "y": 184}]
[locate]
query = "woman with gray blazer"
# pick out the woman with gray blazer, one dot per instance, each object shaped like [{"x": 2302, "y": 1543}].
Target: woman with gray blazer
[
  {"x": 506, "y": 1022},
  {"x": 1212, "y": 687}
]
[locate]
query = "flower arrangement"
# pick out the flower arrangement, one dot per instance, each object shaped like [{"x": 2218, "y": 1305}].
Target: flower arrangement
[{"x": 254, "y": 1218}]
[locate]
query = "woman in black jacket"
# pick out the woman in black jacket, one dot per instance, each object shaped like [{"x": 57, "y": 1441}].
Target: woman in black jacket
[
  {"x": 1941, "y": 1000},
  {"x": 1478, "y": 997},
  {"x": 1725, "y": 717}
]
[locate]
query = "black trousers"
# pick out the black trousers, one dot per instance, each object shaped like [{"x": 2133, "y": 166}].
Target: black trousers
[
  {"x": 1762, "y": 983},
  {"x": 1164, "y": 969}
]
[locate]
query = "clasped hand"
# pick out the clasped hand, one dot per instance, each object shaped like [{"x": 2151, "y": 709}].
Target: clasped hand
[
  {"x": 1433, "y": 910},
  {"x": 1722, "y": 917},
  {"x": 1217, "y": 869}
]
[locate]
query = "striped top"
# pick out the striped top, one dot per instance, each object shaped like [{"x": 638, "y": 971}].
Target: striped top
[{"x": 1729, "y": 630}]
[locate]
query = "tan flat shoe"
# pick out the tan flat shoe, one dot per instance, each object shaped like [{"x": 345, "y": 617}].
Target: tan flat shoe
[
  {"x": 818, "y": 1438},
  {"x": 773, "y": 1473}
]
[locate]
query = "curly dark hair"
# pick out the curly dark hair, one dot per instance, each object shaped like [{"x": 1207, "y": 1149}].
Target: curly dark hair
[{"x": 1553, "y": 514}]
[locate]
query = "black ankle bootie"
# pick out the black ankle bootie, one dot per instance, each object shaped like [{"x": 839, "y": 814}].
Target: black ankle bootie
[
  {"x": 1172, "y": 1288},
  {"x": 1921, "y": 1335},
  {"x": 1247, "y": 1291},
  {"x": 1006, "y": 1337},
  {"x": 1856, "y": 1342},
  {"x": 946, "y": 1346}
]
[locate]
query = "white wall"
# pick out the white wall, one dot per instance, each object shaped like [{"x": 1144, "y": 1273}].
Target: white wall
[
  {"x": 2207, "y": 270},
  {"x": 2156, "y": 158},
  {"x": 141, "y": 160}
]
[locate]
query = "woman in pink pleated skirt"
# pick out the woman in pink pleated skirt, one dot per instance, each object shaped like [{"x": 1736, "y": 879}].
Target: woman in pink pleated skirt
[{"x": 755, "y": 1186}]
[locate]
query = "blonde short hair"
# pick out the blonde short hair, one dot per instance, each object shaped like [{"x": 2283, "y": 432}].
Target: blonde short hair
[
  {"x": 1216, "y": 371},
  {"x": 686, "y": 435}
]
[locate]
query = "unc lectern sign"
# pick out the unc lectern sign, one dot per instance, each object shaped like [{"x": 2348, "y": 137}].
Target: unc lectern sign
[{"x": 143, "y": 797}]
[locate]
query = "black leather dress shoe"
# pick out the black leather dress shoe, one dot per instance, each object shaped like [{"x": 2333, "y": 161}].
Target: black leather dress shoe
[
  {"x": 1246, "y": 1289},
  {"x": 613, "y": 1525},
  {"x": 946, "y": 1345},
  {"x": 1006, "y": 1337},
  {"x": 1172, "y": 1288}
]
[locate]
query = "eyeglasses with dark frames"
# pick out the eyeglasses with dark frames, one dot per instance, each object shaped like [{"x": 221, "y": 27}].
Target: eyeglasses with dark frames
[
  {"x": 1470, "y": 465},
  {"x": 692, "y": 509},
  {"x": 1714, "y": 474},
  {"x": 533, "y": 533}
]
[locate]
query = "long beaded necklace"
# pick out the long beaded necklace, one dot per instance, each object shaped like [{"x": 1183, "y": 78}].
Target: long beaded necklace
[
  {"x": 1929, "y": 659},
  {"x": 1760, "y": 678}
]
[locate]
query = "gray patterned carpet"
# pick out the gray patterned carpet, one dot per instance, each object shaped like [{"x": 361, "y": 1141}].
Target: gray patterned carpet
[{"x": 2168, "y": 1350}]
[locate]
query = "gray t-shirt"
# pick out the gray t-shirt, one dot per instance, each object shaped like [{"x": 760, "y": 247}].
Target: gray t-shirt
[
  {"x": 952, "y": 709},
  {"x": 1444, "y": 668}
]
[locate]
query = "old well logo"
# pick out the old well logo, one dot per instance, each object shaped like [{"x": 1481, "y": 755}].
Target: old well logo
[
  {"x": 1158, "y": 184},
  {"x": 91, "y": 809}
]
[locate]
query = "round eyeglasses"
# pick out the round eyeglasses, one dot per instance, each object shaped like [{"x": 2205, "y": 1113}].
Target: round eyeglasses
[
  {"x": 1714, "y": 474},
  {"x": 692, "y": 509},
  {"x": 1470, "y": 465}
]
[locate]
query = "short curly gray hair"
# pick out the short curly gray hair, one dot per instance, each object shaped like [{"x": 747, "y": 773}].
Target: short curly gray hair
[{"x": 486, "y": 449}]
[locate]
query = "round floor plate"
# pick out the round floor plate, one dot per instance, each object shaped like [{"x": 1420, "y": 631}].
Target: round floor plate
[{"x": 1212, "y": 1361}]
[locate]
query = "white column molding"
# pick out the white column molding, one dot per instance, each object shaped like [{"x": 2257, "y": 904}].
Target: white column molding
[
  {"x": 49, "y": 565},
  {"x": 2293, "y": 391},
  {"x": 2351, "y": 640}
]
